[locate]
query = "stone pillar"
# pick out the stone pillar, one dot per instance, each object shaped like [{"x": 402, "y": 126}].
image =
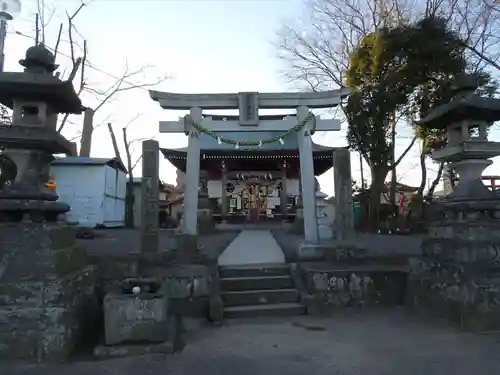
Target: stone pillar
[
  {"x": 307, "y": 179},
  {"x": 190, "y": 220},
  {"x": 224, "y": 200},
  {"x": 205, "y": 219},
  {"x": 344, "y": 221},
  {"x": 150, "y": 190},
  {"x": 299, "y": 200},
  {"x": 324, "y": 223},
  {"x": 283, "y": 192}
]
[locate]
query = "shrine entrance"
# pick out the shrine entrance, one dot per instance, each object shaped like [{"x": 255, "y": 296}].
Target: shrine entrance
[
  {"x": 256, "y": 136},
  {"x": 251, "y": 203}
]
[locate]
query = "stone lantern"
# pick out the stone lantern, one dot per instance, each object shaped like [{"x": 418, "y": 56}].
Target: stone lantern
[
  {"x": 461, "y": 252},
  {"x": 47, "y": 294},
  {"x": 466, "y": 119},
  {"x": 36, "y": 97}
]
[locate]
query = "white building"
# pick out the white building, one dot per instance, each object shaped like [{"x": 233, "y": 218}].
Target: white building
[{"x": 94, "y": 188}]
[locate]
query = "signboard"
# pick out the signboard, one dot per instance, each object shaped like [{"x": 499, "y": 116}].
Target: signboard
[{"x": 232, "y": 203}]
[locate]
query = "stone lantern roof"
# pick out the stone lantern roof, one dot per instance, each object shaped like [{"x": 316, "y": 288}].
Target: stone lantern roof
[
  {"x": 38, "y": 84},
  {"x": 466, "y": 105}
]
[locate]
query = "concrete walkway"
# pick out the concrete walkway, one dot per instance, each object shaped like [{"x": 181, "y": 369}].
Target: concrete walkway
[{"x": 252, "y": 247}]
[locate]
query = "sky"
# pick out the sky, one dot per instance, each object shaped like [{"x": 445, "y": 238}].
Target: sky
[{"x": 203, "y": 46}]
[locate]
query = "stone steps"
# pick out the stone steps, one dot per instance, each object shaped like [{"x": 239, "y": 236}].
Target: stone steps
[
  {"x": 259, "y": 290},
  {"x": 256, "y": 283},
  {"x": 260, "y": 297},
  {"x": 278, "y": 309},
  {"x": 254, "y": 270}
]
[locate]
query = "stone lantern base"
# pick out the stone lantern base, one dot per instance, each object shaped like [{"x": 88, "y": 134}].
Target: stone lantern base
[
  {"x": 298, "y": 223},
  {"x": 47, "y": 291},
  {"x": 458, "y": 276}
]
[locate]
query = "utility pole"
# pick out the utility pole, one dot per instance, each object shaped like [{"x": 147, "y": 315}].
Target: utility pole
[
  {"x": 361, "y": 170},
  {"x": 10, "y": 8},
  {"x": 393, "y": 171}
]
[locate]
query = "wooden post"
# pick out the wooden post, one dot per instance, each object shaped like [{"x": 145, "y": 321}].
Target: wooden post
[
  {"x": 87, "y": 130},
  {"x": 224, "y": 200}
]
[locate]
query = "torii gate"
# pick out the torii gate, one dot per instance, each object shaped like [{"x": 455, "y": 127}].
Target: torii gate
[{"x": 248, "y": 104}]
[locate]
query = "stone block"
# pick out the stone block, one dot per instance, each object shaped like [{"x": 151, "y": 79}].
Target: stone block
[
  {"x": 331, "y": 287},
  {"x": 187, "y": 249},
  {"x": 138, "y": 317},
  {"x": 309, "y": 251},
  {"x": 216, "y": 309},
  {"x": 107, "y": 352},
  {"x": 187, "y": 281},
  {"x": 345, "y": 252},
  {"x": 206, "y": 223},
  {"x": 47, "y": 292},
  {"x": 466, "y": 296}
]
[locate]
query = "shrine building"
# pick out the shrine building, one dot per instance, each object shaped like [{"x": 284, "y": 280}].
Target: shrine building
[{"x": 252, "y": 178}]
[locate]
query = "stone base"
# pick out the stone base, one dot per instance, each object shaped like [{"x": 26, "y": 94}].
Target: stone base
[
  {"x": 325, "y": 232},
  {"x": 345, "y": 251},
  {"x": 105, "y": 352},
  {"x": 298, "y": 226},
  {"x": 139, "y": 317},
  {"x": 309, "y": 251},
  {"x": 37, "y": 211},
  {"x": 333, "y": 287},
  {"x": 206, "y": 223},
  {"x": 187, "y": 250},
  {"x": 461, "y": 295},
  {"x": 47, "y": 292}
]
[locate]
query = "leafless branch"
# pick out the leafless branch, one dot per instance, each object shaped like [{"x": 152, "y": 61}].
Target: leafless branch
[
  {"x": 56, "y": 48},
  {"x": 122, "y": 85},
  {"x": 405, "y": 152},
  {"x": 137, "y": 162},
  {"x": 136, "y": 117}
]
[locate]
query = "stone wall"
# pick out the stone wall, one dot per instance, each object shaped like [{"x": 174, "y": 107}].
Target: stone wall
[
  {"x": 47, "y": 292},
  {"x": 332, "y": 287},
  {"x": 456, "y": 277}
]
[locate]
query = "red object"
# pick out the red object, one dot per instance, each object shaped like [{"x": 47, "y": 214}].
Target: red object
[{"x": 401, "y": 203}]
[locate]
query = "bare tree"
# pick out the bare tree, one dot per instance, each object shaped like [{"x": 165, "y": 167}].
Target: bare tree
[
  {"x": 127, "y": 81},
  {"x": 130, "y": 163},
  {"x": 316, "y": 49}
]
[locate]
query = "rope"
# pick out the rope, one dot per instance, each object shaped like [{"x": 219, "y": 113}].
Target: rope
[{"x": 275, "y": 139}]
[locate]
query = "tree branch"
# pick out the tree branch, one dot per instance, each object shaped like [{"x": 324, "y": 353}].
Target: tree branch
[
  {"x": 401, "y": 157},
  {"x": 118, "y": 86}
]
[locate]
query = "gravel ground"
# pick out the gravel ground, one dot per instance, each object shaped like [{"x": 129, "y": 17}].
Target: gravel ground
[
  {"x": 375, "y": 342},
  {"x": 127, "y": 241}
]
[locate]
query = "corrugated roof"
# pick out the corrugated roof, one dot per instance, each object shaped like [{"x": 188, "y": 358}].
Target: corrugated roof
[{"x": 82, "y": 160}]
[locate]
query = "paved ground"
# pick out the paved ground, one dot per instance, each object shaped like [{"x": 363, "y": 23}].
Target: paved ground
[
  {"x": 252, "y": 247},
  {"x": 351, "y": 343},
  {"x": 127, "y": 241}
]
